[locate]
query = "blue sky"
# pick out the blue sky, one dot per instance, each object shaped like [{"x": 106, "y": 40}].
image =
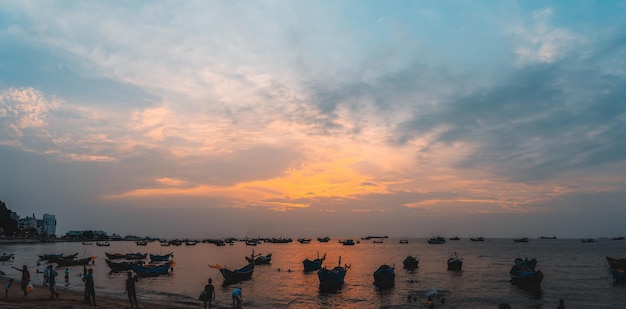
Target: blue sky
[{"x": 312, "y": 118}]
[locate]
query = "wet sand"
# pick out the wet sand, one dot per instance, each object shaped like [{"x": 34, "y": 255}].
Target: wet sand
[{"x": 70, "y": 299}]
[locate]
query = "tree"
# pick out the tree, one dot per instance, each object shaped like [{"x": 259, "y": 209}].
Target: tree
[{"x": 8, "y": 225}]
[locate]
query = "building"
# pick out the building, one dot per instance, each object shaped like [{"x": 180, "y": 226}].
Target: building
[
  {"x": 27, "y": 223},
  {"x": 49, "y": 227}
]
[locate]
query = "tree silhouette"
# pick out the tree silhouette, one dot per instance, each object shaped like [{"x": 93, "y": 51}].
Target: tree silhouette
[{"x": 8, "y": 225}]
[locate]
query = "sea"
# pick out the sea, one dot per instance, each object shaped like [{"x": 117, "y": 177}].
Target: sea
[{"x": 574, "y": 271}]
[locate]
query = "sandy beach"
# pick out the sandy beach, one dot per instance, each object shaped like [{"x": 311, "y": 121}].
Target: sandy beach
[{"x": 69, "y": 299}]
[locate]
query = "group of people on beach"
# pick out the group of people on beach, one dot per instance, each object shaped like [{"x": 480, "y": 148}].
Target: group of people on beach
[{"x": 208, "y": 295}]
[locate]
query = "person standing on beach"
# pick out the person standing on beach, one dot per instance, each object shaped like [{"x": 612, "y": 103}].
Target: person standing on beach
[
  {"x": 209, "y": 293},
  {"x": 90, "y": 291},
  {"x": 25, "y": 278},
  {"x": 46, "y": 275},
  {"x": 561, "y": 304},
  {"x": 52, "y": 280},
  {"x": 130, "y": 289},
  {"x": 67, "y": 275},
  {"x": 237, "y": 298}
]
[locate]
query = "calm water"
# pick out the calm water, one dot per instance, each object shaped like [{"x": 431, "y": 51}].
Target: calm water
[{"x": 575, "y": 271}]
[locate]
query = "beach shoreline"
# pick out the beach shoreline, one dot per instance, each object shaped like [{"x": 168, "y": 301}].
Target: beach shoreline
[{"x": 70, "y": 299}]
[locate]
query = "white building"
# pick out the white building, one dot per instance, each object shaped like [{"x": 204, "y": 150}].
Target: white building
[
  {"x": 49, "y": 227},
  {"x": 27, "y": 223}
]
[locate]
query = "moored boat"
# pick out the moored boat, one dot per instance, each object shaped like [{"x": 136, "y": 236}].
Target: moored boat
[
  {"x": 619, "y": 275},
  {"x": 323, "y": 239},
  {"x": 477, "y": 238},
  {"x": 259, "y": 259},
  {"x": 437, "y": 241},
  {"x": 6, "y": 257},
  {"x": 384, "y": 276},
  {"x": 161, "y": 258},
  {"x": 313, "y": 265},
  {"x": 520, "y": 239},
  {"x": 331, "y": 279},
  {"x": 524, "y": 275},
  {"x": 151, "y": 270},
  {"x": 304, "y": 240},
  {"x": 237, "y": 275},
  {"x": 616, "y": 263},
  {"x": 74, "y": 262},
  {"x": 455, "y": 263},
  {"x": 410, "y": 262},
  {"x": 347, "y": 242},
  {"x": 118, "y": 266}
]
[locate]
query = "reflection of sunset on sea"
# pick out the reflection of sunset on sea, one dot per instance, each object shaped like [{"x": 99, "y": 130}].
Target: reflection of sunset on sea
[{"x": 407, "y": 119}]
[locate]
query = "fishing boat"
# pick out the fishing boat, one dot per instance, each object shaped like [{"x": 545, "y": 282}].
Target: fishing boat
[
  {"x": 323, "y": 239},
  {"x": 618, "y": 238},
  {"x": 127, "y": 256},
  {"x": 6, "y": 257},
  {"x": 377, "y": 241},
  {"x": 384, "y": 276},
  {"x": 304, "y": 240},
  {"x": 51, "y": 258},
  {"x": 313, "y": 265},
  {"x": 103, "y": 244},
  {"x": 455, "y": 263},
  {"x": 347, "y": 242},
  {"x": 410, "y": 262},
  {"x": 588, "y": 240},
  {"x": 141, "y": 243},
  {"x": 151, "y": 270},
  {"x": 437, "y": 241},
  {"x": 616, "y": 263},
  {"x": 524, "y": 275},
  {"x": 477, "y": 238},
  {"x": 118, "y": 266},
  {"x": 404, "y": 241},
  {"x": 334, "y": 278},
  {"x": 73, "y": 262},
  {"x": 161, "y": 258},
  {"x": 259, "y": 259},
  {"x": 237, "y": 275},
  {"x": 454, "y": 238},
  {"x": 520, "y": 239}
]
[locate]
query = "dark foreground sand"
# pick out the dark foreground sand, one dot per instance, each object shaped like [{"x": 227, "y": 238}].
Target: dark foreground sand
[{"x": 69, "y": 299}]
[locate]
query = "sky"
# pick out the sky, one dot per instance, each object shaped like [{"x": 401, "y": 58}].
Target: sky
[{"x": 314, "y": 118}]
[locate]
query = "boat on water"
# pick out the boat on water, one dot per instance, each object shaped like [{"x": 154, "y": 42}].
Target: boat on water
[
  {"x": 259, "y": 259},
  {"x": 454, "y": 238},
  {"x": 313, "y": 265},
  {"x": 152, "y": 270},
  {"x": 385, "y": 276},
  {"x": 616, "y": 263},
  {"x": 141, "y": 243},
  {"x": 588, "y": 240},
  {"x": 477, "y": 238},
  {"x": 161, "y": 258},
  {"x": 190, "y": 243},
  {"x": 127, "y": 256},
  {"x": 455, "y": 263},
  {"x": 404, "y": 241},
  {"x": 377, "y": 241},
  {"x": 118, "y": 266},
  {"x": 237, "y": 275},
  {"x": 547, "y": 237},
  {"x": 103, "y": 244},
  {"x": 520, "y": 239},
  {"x": 347, "y": 242},
  {"x": 6, "y": 257},
  {"x": 51, "y": 258},
  {"x": 332, "y": 279},
  {"x": 410, "y": 262},
  {"x": 251, "y": 242},
  {"x": 323, "y": 239},
  {"x": 618, "y": 238},
  {"x": 62, "y": 262},
  {"x": 304, "y": 240},
  {"x": 524, "y": 275},
  {"x": 437, "y": 241}
]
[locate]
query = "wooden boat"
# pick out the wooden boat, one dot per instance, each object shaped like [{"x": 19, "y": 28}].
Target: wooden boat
[
  {"x": 190, "y": 243},
  {"x": 547, "y": 237},
  {"x": 304, "y": 240},
  {"x": 455, "y": 263},
  {"x": 74, "y": 262},
  {"x": 477, "y": 238},
  {"x": 616, "y": 263},
  {"x": 384, "y": 276},
  {"x": 251, "y": 242},
  {"x": 334, "y": 278},
  {"x": 404, "y": 241},
  {"x": 410, "y": 262},
  {"x": 323, "y": 239},
  {"x": 618, "y": 238},
  {"x": 347, "y": 242},
  {"x": 588, "y": 240},
  {"x": 121, "y": 266},
  {"x": 454, "y": 238},
  {"x": 520, "y": 239},
  {"x": 151, "y": 270},
  {"x": 314, "y": 264},
  {"x": 619, "y": 275},
  {"x": 524, "y": 275},
  {"x": 377, "y": 241},
  {"x": 259, "y": 259},
  {"x": 127, "y": 256},
  {"x": 103, "y": 244},
  {"x": 161, "y": 258},
  {"x": 51, "y": 258},
  {"x": 141, "y": 243},
  {"x": 437, "y": 240},
  {"x": 6, "y": 257},
  {"x": 237, "y": 275}
]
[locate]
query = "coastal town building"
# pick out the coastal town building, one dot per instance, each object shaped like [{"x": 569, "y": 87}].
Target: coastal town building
[
  {"x": 44, "y": 227},
  {"x": 49, "y": 225}
]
